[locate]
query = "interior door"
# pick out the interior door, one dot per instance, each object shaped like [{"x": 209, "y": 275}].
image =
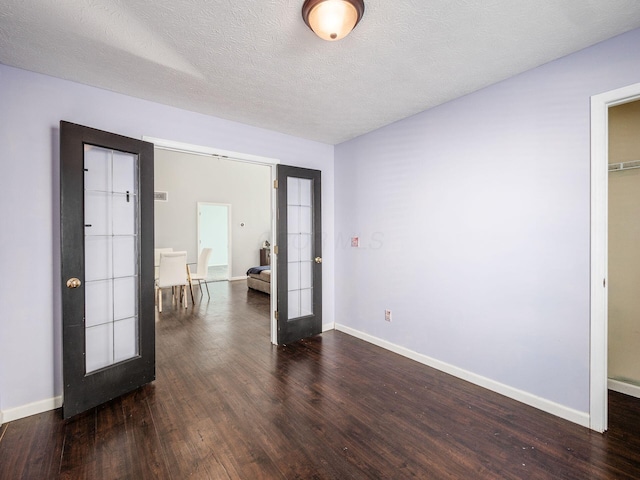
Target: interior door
[
  {"x": 108, "y": 332},
  {"x": 299, "y": 256}
]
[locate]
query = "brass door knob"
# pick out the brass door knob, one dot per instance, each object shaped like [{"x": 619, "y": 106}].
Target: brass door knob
[
  {"x": 73, "y": 283},
  {"x": 318, "y": 259}
]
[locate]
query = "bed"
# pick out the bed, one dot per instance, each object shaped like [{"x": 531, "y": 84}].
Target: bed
[{"x": 259, "y": 278}]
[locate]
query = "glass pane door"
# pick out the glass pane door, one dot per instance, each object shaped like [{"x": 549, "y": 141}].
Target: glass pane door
[
  {"x": 299, "y": 253},
  {"x": 111, "y": 229}
]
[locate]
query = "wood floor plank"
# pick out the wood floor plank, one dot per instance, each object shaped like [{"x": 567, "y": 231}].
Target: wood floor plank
[
  {"x": 188, "y": 445},
  {"x": 147, "y": 459},
  {"x": 78, "y": 459},
  {"x": 31, "y": 449},
  {"x": 227, "y": 404},
  {"x": 113, "y": 450},
  {"x": 46, "y": 448}
]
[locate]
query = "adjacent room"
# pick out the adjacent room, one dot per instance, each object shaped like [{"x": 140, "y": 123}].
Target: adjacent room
[{"x": 208, "y": 202}]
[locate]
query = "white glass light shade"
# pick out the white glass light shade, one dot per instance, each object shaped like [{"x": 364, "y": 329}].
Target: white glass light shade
[{"x": 333, "y": 19}]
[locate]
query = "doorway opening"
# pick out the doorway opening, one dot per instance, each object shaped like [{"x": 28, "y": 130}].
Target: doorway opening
[
  {"x": 214, "y": 232},
  {"x": 623, "y": 357},
  {"x": 248, "y": 241},
  {"x": 600, "y": 105}
]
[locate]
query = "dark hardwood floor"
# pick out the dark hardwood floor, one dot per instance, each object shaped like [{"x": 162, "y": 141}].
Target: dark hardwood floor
[{"x": 228, "y": 404}]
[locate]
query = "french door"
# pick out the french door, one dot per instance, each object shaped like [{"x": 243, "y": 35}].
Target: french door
[
  {"x": 108, "y": 334},
  {"x": 299, "y": 257}
]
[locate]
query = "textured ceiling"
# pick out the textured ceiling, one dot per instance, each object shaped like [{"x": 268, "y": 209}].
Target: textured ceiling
[{"x": 256, "y": 62}]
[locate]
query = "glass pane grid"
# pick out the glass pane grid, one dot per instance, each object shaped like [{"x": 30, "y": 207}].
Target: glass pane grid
[
  {"x": 108, "y": 278},
  {"x": 299, "y": 247},
  {"x": 111, "y": 252},
  {"x": 109, "y": 236},
  {"x": 111, "y": 192},
  {"x": 115, "y": 277}
]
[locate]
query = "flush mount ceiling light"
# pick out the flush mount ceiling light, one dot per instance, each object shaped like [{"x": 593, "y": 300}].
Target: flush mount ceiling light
[{"x": 332, "y": 19}]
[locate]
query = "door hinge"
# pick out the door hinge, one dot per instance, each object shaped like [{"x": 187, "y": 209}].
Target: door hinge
[
  {"x": 275, "y": 249},
  {"x": 604, "y": 282},
  {"x": 275, "y": 183},
  {"x": 276, "y": 313}
]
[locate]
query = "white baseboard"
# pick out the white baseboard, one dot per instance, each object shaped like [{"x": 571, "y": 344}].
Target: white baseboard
[
  {"x": 235, "y": 279},
  {"x": 34, "y": 408},
  {"x": 623, "y": 387},
  {"x": 575, "y": 416},
  {"x": 328, "y": 326}
]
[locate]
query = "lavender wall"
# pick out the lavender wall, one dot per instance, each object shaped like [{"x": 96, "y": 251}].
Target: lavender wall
[
  {"x": 32, "y": 107},
  {"x": 474, "y": 223}
]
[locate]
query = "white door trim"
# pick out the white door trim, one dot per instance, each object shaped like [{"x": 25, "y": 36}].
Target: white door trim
[
  {"x": 209, "y": 151},
  {"x": 599, "y": 244},
  {"x": 238, "y": 157}
]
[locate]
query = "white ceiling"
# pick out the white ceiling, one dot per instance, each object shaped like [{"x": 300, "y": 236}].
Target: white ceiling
[{"x": 256, "y": 62}]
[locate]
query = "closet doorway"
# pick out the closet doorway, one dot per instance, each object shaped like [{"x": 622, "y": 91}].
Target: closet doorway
[{"x": 623, "y": 369}]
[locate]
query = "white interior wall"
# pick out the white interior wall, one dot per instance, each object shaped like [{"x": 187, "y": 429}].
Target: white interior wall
[
  {"x": 32, "y": 107},
  {"x": 190, "y": 179},
  {"x": 474, "y": 224}
]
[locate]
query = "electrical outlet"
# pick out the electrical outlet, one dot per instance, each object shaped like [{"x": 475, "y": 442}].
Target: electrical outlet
[{"x": 387, "y": 315}]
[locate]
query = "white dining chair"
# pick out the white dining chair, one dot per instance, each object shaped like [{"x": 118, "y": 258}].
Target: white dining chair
[
  {"x": 172, "y": 272},
  {"x": 156, "y": 258},
  {"x": 202, "y": 269}
]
